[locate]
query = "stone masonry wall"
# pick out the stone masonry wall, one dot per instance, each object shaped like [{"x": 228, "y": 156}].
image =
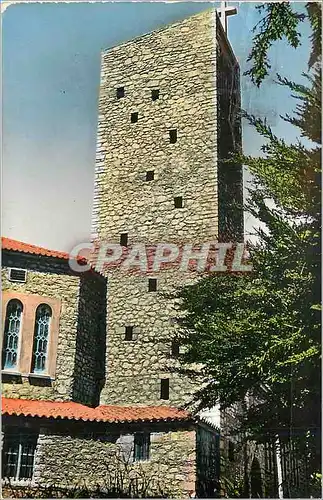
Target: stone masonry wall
[
  {"x": 180, "y": 61},
  {"x": 89, "y": 369},
  {"x": 77, "y": 324},
  {"x": 135, "y": 368},
  {"x": 92, "y": 459}
]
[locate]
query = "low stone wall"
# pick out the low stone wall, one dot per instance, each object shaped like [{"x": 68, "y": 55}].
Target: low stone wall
[{"x": 105, "y": 461}]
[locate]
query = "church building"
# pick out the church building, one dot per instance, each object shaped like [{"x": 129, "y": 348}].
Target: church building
[{"x": 91, "y": 395}]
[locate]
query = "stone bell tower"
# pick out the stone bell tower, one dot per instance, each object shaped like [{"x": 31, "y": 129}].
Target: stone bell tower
[{"x": 166, "y": 122}]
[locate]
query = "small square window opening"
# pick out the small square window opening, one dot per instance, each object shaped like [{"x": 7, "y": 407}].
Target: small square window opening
[
  {"x": 155, "y": 94},
  {"x": 134, "y": 117},
  {"x": 164, "y": 388},
  {"x": 150, "y": 175},
  {"x": 231, "y": 451},
  {"x": 178, "y": 202},
  {"x": 120, "y": 92},
  {"x": 175, "y": 348},
  {"x": 19, "y": 275}
]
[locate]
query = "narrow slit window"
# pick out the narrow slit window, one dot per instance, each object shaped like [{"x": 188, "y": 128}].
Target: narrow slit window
[
  {"x": 173, "y": 136},
  {"x": 150, "y": 175},
  {"x": 41, "y": 338},
  {"x": 164, "y": 388},
  {"x": 134, "y": 117},
  {"x": 124, "y": 239},
  {"x": 11, "y": 334},
  {"x": 155, "y": 94},
  {"x": 152, "y": 285},
  {"x": 120, "y": 92},
  {"x": 178, "y": 202},
  {"x": 129, "y": 333}
]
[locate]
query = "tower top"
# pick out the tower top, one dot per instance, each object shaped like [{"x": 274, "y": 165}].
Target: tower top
[{"x": 224, "y": 11}]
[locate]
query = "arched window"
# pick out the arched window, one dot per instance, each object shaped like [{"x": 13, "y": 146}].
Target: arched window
[
  {"x": 11, "y": 334},
  {"x": 41, "y": 337}
]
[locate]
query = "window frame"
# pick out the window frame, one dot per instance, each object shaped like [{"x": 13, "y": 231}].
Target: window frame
[
  {"x": 33, "y": 369},
  {"x": 10, "y": 269},
  {"x": 15, "y": 368},
  {"x": 20, "y": 438},
  {"x": 145, "y": 446},
  {"x": 30, "y": 303}
]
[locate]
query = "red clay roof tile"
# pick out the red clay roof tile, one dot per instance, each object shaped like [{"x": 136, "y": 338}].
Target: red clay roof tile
[
  {"x": 77, "y": 411},
  {"x": 20, "y": 246}
]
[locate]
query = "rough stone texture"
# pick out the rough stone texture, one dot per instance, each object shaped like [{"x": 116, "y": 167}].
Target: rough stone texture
[
  {"x": 180, "y": 61},
  {"x": 136, "y": 367},
  {"x": 89, "y": 367},
  {"x": 79, "y": 327},
  {"x": 75, "y": 455}
]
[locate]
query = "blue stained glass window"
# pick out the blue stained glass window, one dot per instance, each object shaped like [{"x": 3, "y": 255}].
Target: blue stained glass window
[
  {"x": 41, "y": 338},
  {"x": 11, "y": 334}
]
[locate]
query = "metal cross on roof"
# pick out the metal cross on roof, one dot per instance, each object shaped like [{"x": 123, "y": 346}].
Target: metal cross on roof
[{"x": 224, "y": 11}]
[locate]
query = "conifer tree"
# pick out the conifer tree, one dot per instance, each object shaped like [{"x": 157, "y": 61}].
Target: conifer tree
[{"x": 257, "y": 335}]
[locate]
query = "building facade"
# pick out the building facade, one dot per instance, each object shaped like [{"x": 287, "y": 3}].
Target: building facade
[
  {"x": 55, "y": 432},
  {"x": 89, "y": 358},
  {"x": 54, "y": 324},
  {"x": 162, "y": 122}
]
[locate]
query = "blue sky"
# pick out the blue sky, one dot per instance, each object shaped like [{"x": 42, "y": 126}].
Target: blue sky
[{"x": 51, "y": 67}]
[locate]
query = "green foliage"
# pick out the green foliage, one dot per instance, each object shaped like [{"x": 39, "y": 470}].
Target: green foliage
[
  {"x": 309, "y": 109},
  {"x": 256, "y": 337},
  {"x": 281, "y": 22},
  {"x": 252, "y": 330},
  {"x": 233, "y": 488}
]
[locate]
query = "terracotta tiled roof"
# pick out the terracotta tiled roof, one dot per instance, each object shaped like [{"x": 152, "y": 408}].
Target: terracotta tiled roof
[
  {"x": 77, "y": 411},
  {"x": 20, "y": 246}
]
